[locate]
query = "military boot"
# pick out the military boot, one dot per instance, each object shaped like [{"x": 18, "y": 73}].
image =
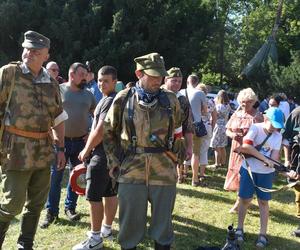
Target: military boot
[
  {"x": 161, "y": 247},
  {"x": 28, "y": 229},
  {"x": 49, "y": 219},
  {"x": 3, "y": 229}
]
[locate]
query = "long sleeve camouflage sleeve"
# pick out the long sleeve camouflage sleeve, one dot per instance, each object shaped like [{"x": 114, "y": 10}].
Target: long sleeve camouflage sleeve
[{"x": 112, "y": 132}]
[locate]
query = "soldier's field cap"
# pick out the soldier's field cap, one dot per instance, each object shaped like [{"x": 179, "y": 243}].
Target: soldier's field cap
[
  {"x": 35, "y": 40},
  {"x": 174, "y": 72},
  {"x": 152, "y": 64}
]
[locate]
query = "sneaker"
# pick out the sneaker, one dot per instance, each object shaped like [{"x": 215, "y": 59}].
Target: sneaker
[
  {"x": 89, "y": 244},
  {"x": 24, "y": 246},
  {"x": 49, "y": 219},
  {"x": 108, "y": 236},
  {"x": 296, "y": 232},
  {"x": 72, "y": 215}
]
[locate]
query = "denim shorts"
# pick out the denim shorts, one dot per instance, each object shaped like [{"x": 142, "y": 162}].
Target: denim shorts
[{"x": 247, "y": 187}]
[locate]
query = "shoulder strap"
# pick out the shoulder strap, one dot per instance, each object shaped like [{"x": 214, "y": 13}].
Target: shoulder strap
[
  {"x": 124, "y": 102},
  {"x": 187, "y": 97},
  {"x": 258, "y": 147},
  {"x": 8, "y": 101},
  {"x": 129, "y": 100},
  {"x": 130, "y": 119},
  {"x": 164, "y": 100}
]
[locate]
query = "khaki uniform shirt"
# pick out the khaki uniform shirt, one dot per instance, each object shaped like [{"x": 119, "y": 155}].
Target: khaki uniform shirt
[
  {"x": 34, "y": 104},
  {"x": 143, "y": 168}
]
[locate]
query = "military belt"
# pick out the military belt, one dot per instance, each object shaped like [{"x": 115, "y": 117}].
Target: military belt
[
  {"x": 154, "y": 150},
  {"x": 28, "y": 134}
]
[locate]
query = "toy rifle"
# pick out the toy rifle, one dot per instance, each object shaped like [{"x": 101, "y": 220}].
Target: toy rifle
[{"x": 279, "y": 167}]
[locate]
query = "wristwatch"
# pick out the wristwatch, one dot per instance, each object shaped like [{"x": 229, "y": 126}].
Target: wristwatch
[{"x": 61, "y": 149}]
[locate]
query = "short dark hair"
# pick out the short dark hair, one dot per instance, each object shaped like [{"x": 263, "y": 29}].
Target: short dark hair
[
  {"x": 277, "y": 98},
  {"x": 194, "y": 80},
  {"x": 109, "y": 70},
  {"x": 75, "y": 66}
]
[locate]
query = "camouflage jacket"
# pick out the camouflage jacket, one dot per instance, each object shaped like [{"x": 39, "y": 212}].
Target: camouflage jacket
[
  {"x": 187, "y": 120},
  {"x": 34, "y": 104},
  {"x": 141, "y": 168}
]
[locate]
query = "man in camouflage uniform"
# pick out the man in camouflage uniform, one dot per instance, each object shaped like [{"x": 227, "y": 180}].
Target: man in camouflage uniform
[
  {"x": 148, "y": 127},
  {"x": 291, "y": 140},
  {"x": 173, "y": 83},
  {"x": 27, "y": 152}
]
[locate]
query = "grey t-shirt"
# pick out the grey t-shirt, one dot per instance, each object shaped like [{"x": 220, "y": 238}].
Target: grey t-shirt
[
  {"x": 78, "y": 105},
  {"x": 197, "y": 99}
]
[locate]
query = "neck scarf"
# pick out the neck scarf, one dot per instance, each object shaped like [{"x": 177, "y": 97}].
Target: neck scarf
[{"x": 146, "y": 96}]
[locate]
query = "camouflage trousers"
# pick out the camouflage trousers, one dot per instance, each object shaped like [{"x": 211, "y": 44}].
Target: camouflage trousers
[
  {"x": 133, "y": 204},
  {"x": 29, "y": 187}
]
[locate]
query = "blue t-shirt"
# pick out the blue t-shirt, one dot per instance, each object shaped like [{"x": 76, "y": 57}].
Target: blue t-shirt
[{"x": 93, "y": 87}]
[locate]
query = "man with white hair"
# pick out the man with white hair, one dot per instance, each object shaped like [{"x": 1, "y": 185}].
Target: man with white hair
[{"x": 53, "y": 70}]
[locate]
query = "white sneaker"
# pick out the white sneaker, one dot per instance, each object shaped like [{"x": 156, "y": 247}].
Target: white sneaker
[
  {"x": 107, "y": 236},
  {"x": 89, "y": 244}
]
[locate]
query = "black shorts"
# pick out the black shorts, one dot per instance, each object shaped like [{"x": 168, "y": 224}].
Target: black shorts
[{"x": 98, "y": 182}]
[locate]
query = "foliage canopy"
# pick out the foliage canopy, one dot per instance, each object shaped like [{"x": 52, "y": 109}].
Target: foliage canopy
[{"x": 216, "y": 37}]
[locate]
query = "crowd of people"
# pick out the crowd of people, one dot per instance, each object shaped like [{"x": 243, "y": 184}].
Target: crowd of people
[{"x": 136, "y": 143}]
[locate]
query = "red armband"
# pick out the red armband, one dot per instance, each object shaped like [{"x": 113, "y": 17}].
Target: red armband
[
  {"x": 247, "y": 141},
  {"x": 178, "y": 133}
]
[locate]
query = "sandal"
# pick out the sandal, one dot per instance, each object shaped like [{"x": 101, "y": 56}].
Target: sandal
[
  {"x": 239, "y": 234},
  {"x": 234, "y": 210},
  {"x": 180, "y": 180},
  {"x": 202, "y": 182},
  {"x": 195, "y": 184},
  {"x": 202, "y": 178},
  {"x": 262, "y": 241}
]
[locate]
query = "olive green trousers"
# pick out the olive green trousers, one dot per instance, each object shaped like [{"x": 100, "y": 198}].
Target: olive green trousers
[
  {"x": 133, "y": 204},
  {"x": 29, "y": 187}
]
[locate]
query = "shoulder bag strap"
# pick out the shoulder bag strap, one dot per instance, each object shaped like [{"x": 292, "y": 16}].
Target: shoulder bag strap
[
  {"x": 258, "y": 147},
  {"x": 187, "y": 97}
]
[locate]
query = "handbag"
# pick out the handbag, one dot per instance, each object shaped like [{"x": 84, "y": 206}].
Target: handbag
[{"x": 199, "y": 127}]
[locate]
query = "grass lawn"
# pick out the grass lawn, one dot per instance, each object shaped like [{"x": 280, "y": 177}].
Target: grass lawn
[{"x": 200, "y": 219}]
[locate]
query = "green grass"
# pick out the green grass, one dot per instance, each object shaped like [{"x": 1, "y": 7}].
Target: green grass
[{"x": 200, "y": 219}]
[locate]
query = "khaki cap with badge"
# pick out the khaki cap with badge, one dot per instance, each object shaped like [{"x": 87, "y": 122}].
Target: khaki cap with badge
[
  {"x": 174, "y": 72},
  {"x": 152, "y": 64},
  {"x": 35, "y": 40}
]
